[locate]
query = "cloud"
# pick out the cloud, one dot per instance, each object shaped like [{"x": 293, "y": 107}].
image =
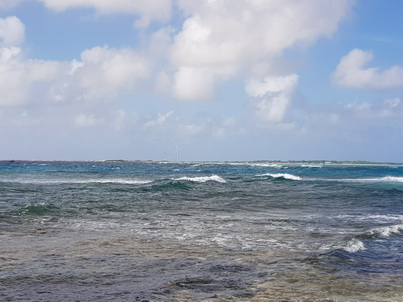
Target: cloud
[
  {"x": 18, "y": 77},
  {"x": 351, "y": 72},
  {"x": 193, "y": 83},
  {"x": 221, "y": 39},
  {"x": 8, "y": 4},
  {"x": 148, "y": 11},
  {"x": 273, "y": 94},
  {"x": 105, "y": 71},
  {"x": 159, "y": 121},
  {"x": 102, "y": 73},
  {"x": 12, "y": 32},
  {"x": 388, "y": 109},
  {"x": 85, "y": 120}
]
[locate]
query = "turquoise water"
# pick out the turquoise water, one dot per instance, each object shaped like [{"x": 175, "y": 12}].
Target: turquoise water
[{"x": 133, "y": 231}]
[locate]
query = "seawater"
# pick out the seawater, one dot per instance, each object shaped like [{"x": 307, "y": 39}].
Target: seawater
[{"x": 150, "y": 231}]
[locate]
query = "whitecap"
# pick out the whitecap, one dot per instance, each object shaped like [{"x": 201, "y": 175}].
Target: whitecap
[
  {"x": 267, "y": 165},
  {"x": 393, "y": 179},
  {"x": 83, "y": 181},
  {"x": 204, "y": 179},
  {"x": 354, "y": 246},
  {"x": 311, "y": 166},
  {"x": 282, "y": 175},
  {"x": 387, "y": 230}
]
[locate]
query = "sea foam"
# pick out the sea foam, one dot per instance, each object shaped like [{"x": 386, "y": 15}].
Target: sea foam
[
  {"x": 387, "y": 230},
  {"x": 394, "y": 179},
  {"x": 215, "y": 178},
  {"x": 282, "y": 175},
  {"x": 354, "y": 246},
  {"x": 83, "y": 181}
]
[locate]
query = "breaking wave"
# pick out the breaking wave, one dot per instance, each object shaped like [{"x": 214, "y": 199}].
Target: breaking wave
[
  {"x": 354, "y": 246},
  {"x": 82, "y": 181},
  {"x": 281, "y": 176},
  {"x": 387, "y": 231},
  {"x": 393, "y": 179},
  {"x": 203, "y": 179}
]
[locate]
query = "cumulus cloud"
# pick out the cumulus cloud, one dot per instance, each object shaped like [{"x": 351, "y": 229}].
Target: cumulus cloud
[
  {"x": 273, "y": 95},
  {"x": 147, "y": 11},
  {"x": 351, "y": 72},
  {"x": 103, "y": 70},
  {"x": 101, "y": 73},
  {"x": 18, "y": 76},
  {"x": 221, "y": 38},
  {"x": 12, "y": 32}
]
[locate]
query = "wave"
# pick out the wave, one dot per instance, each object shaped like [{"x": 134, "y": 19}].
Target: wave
[
  {"x": 118, "y": 181},
  {"x": 203, "y": 179},
  {"x": 311, "y": 166},
  {"x": 81, "y": 181},
  {"x": 267, "y": 165},
  {"x": 281, "y": 176},
  {"x": 354, "y": 246},
  {"x": 37, "y": 209},
  {"x": 373, "y": 218},
  {"x": 386, "y": 231},
  {"x": 393, "y": 179}
]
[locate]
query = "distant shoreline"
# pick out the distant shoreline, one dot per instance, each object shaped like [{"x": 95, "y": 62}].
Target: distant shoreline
[{"x": 274, "y": 162}]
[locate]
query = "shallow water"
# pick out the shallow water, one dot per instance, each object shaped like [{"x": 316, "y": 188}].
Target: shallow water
[{"x": 130, "y": 231}]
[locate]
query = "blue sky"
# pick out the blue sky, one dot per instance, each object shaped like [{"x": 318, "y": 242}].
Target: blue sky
[{"x": 223, "y": 80}]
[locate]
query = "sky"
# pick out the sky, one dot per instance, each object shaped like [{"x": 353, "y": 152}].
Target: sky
[{"x": 227, "y": 80}]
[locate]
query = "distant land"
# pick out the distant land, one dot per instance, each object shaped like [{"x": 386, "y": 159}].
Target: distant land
[{"x": 296, "y": 162}]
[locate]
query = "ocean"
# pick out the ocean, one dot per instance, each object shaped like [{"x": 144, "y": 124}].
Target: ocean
[{"x": 199, "y": 231}]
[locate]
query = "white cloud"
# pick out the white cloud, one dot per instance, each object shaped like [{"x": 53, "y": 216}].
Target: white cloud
[
  {"x": 392, "y": 103},
  {"x": 104, "y": 71},
  {"x": 193, "y": 83},
  {"x": 274, "y": 96},
  {"x": 12, "y": 31},
  {"x": 351, "y": 72},
  {"x": 8, "y": 4},
  {"x": 101, "y": 73},
  {"x": 85, "y": 120},
  {"x": 18, "y": 76},
  {"x": 160, "y": 120},
  {"x": 389, "y": 108},
  {"x": 222, "y": 39},
  {"x": 150, "y": 10}
]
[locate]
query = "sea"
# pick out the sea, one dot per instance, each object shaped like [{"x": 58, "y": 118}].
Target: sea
[{"x": 200, "y": 231}]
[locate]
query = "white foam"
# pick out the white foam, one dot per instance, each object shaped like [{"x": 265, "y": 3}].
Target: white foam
[
  {"x": 387, "y": 230},
  {"x": 376, "y": 218},
  {"x": 354, "y": 246},
  {"x": 267, "y": 165},
  {"x": 282, "y": 175},
  {"x": 84, "y": 181},
  {"x": 204, "y": 179},
  {"x": 311, "y": 166},
  {"x": 393, "y": 179}
]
